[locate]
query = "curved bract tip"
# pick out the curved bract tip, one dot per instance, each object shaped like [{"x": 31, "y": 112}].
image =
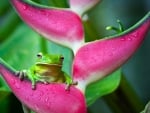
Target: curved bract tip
[
  {"x": 51, "y": 98},
  {"x": 97, "y": 59},
  {"x": 62, "y": 26}
]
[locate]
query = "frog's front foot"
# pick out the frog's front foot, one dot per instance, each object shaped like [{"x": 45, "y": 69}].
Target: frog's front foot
[
  {"x": 34, "y": 83},
  {"x": 68, "y": 85},
  {"x": 21, "y": 74}
]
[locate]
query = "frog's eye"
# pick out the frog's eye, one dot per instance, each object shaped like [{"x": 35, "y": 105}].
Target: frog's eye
[
  {"x": 62, "y": 58},
  {"x": 39, "y": 55}
]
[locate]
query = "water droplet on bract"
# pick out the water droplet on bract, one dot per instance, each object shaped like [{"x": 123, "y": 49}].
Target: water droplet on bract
[
  {"x": 49, "y": 104},
  {"x": 13, "y": 81},
  {"x": 39, "y": 98},
  {"x": 113, "y": 49},
  {"x": 31, "y": 14},
  {"x": 129, "y": 39},
  {"x": 41, "y": 93},
  {"x": 47, "y": 99},
  {"x": 122, "y": 39},
  {"x": 25, "y": 7},
  {"x": 17, "y": 85},
  {"x": 134, "y": 35}
]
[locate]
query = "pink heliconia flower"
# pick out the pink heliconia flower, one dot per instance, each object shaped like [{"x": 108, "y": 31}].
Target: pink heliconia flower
[
  {"x": 92, "y": 61},
  {"x": 81, "y": 6},
  {"x": 62, "y": 26},
  {"x": 51, "y": 98},
  {"x": 99, "y": 58}
]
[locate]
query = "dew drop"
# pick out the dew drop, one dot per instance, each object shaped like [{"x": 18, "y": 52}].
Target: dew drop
[
  {"x": 129, "y": 39},
  {"x": 113, "y": 49},
  {"x": 49, "y": 104},
  {"x": 41, "y": 93},
  {"x": 47, "y": 99},
  {"x": 17, "y": 85},
  {"x": 134, "y": 35},
  {"x": 13, "y": 81},
  {"x": 122, "y": 39},
  {"x": 25, "y": 7},
  {"x": 39, "y": 98},
  {"x": 31, "y": 14}
]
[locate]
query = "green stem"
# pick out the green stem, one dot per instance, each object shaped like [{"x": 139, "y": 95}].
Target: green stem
[
  {"x": 90, "y": 32},
  {"x": 124, "y": 99}
]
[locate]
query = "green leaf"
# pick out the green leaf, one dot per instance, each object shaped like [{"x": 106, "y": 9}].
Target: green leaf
[
  {"x": 4, "y": 94},
  {"x": 4, "y": 5},
  {"x": 3, "y": 86},
  {"x": 8, "y": 24},
  {"x": 4, "y": 99},
  {"x": 20, "y": 49},
  {"x": 102, "y": 87}
]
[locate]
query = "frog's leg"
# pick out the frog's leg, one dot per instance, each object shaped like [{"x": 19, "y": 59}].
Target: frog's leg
[
  {"x": 69, "y": 82},
  {"x": 31, "y": 76},
  {"x": 41, "y": 79},
  {"x": 34, "y": 78},
  {"x": 26, "y": 74},
  {"x": 26, "y": 109}
]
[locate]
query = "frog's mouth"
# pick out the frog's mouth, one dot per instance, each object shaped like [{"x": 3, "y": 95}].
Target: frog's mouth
[{"x": 46, "y": 64}]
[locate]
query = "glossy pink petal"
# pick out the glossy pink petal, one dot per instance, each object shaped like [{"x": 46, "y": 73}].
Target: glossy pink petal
[
  {"x": 59, "y": 25},
  {"x": 81, "y": 6},
  {"x": 52, "y": 98},
  {"x": 97, "y": 59}
]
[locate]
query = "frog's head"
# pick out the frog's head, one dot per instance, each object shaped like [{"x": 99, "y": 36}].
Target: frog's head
[{"x": 49, "y": 59}]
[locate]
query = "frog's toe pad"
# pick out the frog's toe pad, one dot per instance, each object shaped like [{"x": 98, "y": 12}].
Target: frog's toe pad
[
  {"x": 69, "y": 85},
  {"x": 33, "y": 86},
  {"x": 21, "y": 74}
]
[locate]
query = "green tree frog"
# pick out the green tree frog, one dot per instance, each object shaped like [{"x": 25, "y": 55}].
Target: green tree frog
[{"x": 47, "y": 69}]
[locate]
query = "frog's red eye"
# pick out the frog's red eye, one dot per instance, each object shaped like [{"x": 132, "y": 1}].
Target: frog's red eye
[{"x": 39, "y": 55}]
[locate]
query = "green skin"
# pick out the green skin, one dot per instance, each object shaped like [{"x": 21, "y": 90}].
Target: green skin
[{"x": 47, "y": 69}]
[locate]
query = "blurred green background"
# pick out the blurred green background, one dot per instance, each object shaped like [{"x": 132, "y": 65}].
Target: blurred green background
[{"x": 136, "y": 72}]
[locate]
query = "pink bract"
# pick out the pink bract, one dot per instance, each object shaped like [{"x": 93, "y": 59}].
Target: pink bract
[
  {"x": 81, "y": 6},
  {"x": 99, "y": 58},
  {"x": 52, "y": 98},
  {"x": 62, "y": 26}
]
